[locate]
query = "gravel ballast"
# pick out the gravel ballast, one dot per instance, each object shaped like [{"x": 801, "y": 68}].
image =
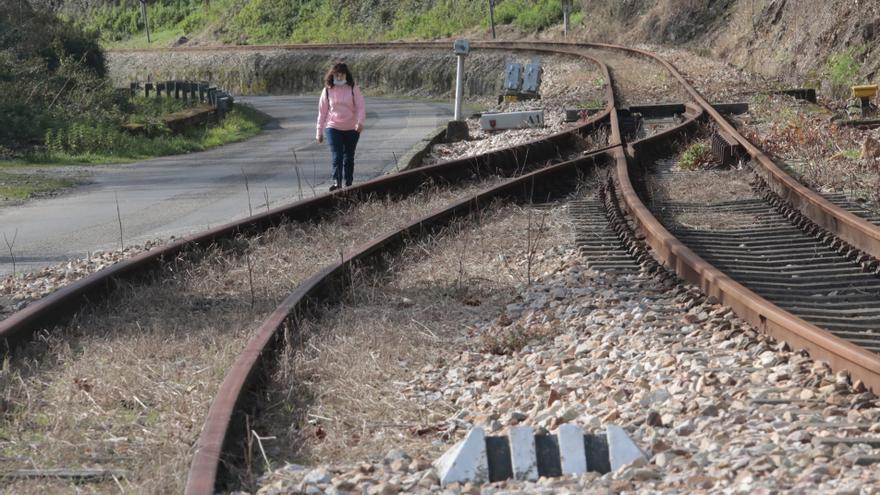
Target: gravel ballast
[{"x": 721, "y": 407}]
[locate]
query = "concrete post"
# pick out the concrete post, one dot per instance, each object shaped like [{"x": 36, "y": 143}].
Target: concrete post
[
  {"x": 146, "y": 20},
  {"x": 492, "y": 16},
  {"x": 457, "y": 129},
  {"x": 459, "y": 86},
  {"x": 566, "y": 9}
]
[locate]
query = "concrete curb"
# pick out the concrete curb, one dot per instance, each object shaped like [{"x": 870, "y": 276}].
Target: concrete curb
[{"x": 413, "y": 158}]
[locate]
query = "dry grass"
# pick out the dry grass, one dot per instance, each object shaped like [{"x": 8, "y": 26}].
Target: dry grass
[
  {"x": 127, "y": 384},
  {"x": 710, "y": 220},
  {"x": 572, "y": 82},
  {"x": 702, "y": 186},
  {"x": 343, "y": 396},
  {"x": 819, "y": 154},
  {"x": 639, "y": 81}
]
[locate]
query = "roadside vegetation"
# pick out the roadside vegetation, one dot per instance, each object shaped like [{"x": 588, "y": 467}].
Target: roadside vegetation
[
  {"x": 58, "y": 106},
  {"x": 120, "y": 24}
]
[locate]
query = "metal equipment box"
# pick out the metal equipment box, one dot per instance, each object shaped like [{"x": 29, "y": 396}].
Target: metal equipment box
[
  {"x": 532, "y": 78},
  {"x": 512, "y": 120},
  {"x": 512, "y": 78},
  {"x": 866, "y": 91}
]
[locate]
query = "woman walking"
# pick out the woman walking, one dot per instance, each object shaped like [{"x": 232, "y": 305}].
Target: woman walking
[{"x": 341, "y": 115}]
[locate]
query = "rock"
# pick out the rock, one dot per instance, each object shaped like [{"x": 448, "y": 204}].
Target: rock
[
  {"x": 685, "y": 428},
  {"x": 710, "y": 411},
  {"x": 654, "y": 419},
  {"x": 870, "y": 149},
  {"x": 518, "y": 417},
  {"x": 318, "y": 476},
  {"x": 665, "y": 360},
  {"x": 399, "y": 465},
  {"x": 583, "y": 349},
  {"x": 396, "y": 455},
  {"x": 655, "y": 398},
  {"x": 662, "y": 459},
  {"x": 384, "y": 488}
]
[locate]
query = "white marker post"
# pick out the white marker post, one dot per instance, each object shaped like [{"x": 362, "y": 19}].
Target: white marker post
[
  {"x": 461, "y": 49},
  {"x": 457, "y": 129}
]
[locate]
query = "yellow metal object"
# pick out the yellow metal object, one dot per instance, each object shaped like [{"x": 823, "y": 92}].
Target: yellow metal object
[
  {"x": 511, "y": 98},
  {"x": 866, "y": 91}
]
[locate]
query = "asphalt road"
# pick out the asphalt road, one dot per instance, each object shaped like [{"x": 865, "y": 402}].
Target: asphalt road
[{"x": 179, "y": 195}]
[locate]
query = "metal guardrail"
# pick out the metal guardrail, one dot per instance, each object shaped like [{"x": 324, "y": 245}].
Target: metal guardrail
[{"x": 201, "y": 91}]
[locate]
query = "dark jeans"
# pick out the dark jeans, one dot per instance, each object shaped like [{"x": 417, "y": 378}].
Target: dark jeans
[{"x": 342, "y": 145}]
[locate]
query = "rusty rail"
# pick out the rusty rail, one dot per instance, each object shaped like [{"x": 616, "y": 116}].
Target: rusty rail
[
  {"x": 669, "y": 250},
  {"x": 855, "y": 230},
  {"x": 215, "y": 435},
  {"x": 759, "y": 312},
  {"x": 62, "y": 303}
]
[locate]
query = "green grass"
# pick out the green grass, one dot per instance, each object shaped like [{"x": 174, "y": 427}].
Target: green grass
[
  {"x": 15, "y": 186},
  {"x": 852, "y": 154},
  {"x": 327, "y": 21},
  {"x": 843, "y": 70},
  {"x": 19, "y": 180},
  {"x": 530, "y": 15},
  {"x": 594, "y": 104},
  {"x": 241, "y": 123},
  {"x": 695, "y": 156}
]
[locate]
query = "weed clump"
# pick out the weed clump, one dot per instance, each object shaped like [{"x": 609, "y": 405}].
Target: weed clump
[
  {"x": 696, "y": 156},
  {"x": 842, "y": 70}
]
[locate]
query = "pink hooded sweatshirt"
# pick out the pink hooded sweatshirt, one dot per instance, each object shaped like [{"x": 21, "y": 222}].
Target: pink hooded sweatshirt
[{"x": 343, "y": 110}]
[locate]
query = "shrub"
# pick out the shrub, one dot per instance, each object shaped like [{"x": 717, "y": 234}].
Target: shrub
[
  {"x": 443, "y": 19},
  {"x": 842, "y": 71},
  {"x": 529, "y": 15},
  {"x": 696, "y": 156}
]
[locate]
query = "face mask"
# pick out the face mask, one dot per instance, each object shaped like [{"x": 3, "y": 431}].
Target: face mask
[{"x": 339, "y": 82}]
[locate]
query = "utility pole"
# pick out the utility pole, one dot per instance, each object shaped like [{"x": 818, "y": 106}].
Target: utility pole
[
  {"x": 492, "y": 16},
  {"x": 146, "y": 20},
  {"x": 566, "y": 10}
]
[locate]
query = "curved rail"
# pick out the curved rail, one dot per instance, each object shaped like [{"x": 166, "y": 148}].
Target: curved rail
[
  {"x": 205, "y": 467},
  {"x": 61, "y": 304},
  {"x": 822, "y": 345},
  {"x": 206, "y": 462},
  {"x": 671, "y": 252},
  {"x": 759, "y": 312},
  {"x": 851, "y": 228}
]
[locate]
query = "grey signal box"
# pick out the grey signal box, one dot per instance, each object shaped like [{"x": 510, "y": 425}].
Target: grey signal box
[
  {"x": 532, "y": 78},
  {"x": 513, "y": 78},
  {"x": 461, "y": 47}
]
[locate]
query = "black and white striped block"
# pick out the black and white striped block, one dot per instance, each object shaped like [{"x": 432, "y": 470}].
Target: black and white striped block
[{"x": 522, "y": 455}]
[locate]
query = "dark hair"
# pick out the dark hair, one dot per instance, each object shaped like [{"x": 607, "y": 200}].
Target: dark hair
[{"x": 338, "y": 67}]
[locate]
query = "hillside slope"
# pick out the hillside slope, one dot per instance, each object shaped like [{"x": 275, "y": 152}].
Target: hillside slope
[{"x": 823, "y": 43}]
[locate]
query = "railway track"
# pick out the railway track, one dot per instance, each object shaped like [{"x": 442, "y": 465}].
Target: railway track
[
  {"x": 761, "y": 249},
  {"x": 47, "y": 313},
  {"x": 607, "y": 247}
]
